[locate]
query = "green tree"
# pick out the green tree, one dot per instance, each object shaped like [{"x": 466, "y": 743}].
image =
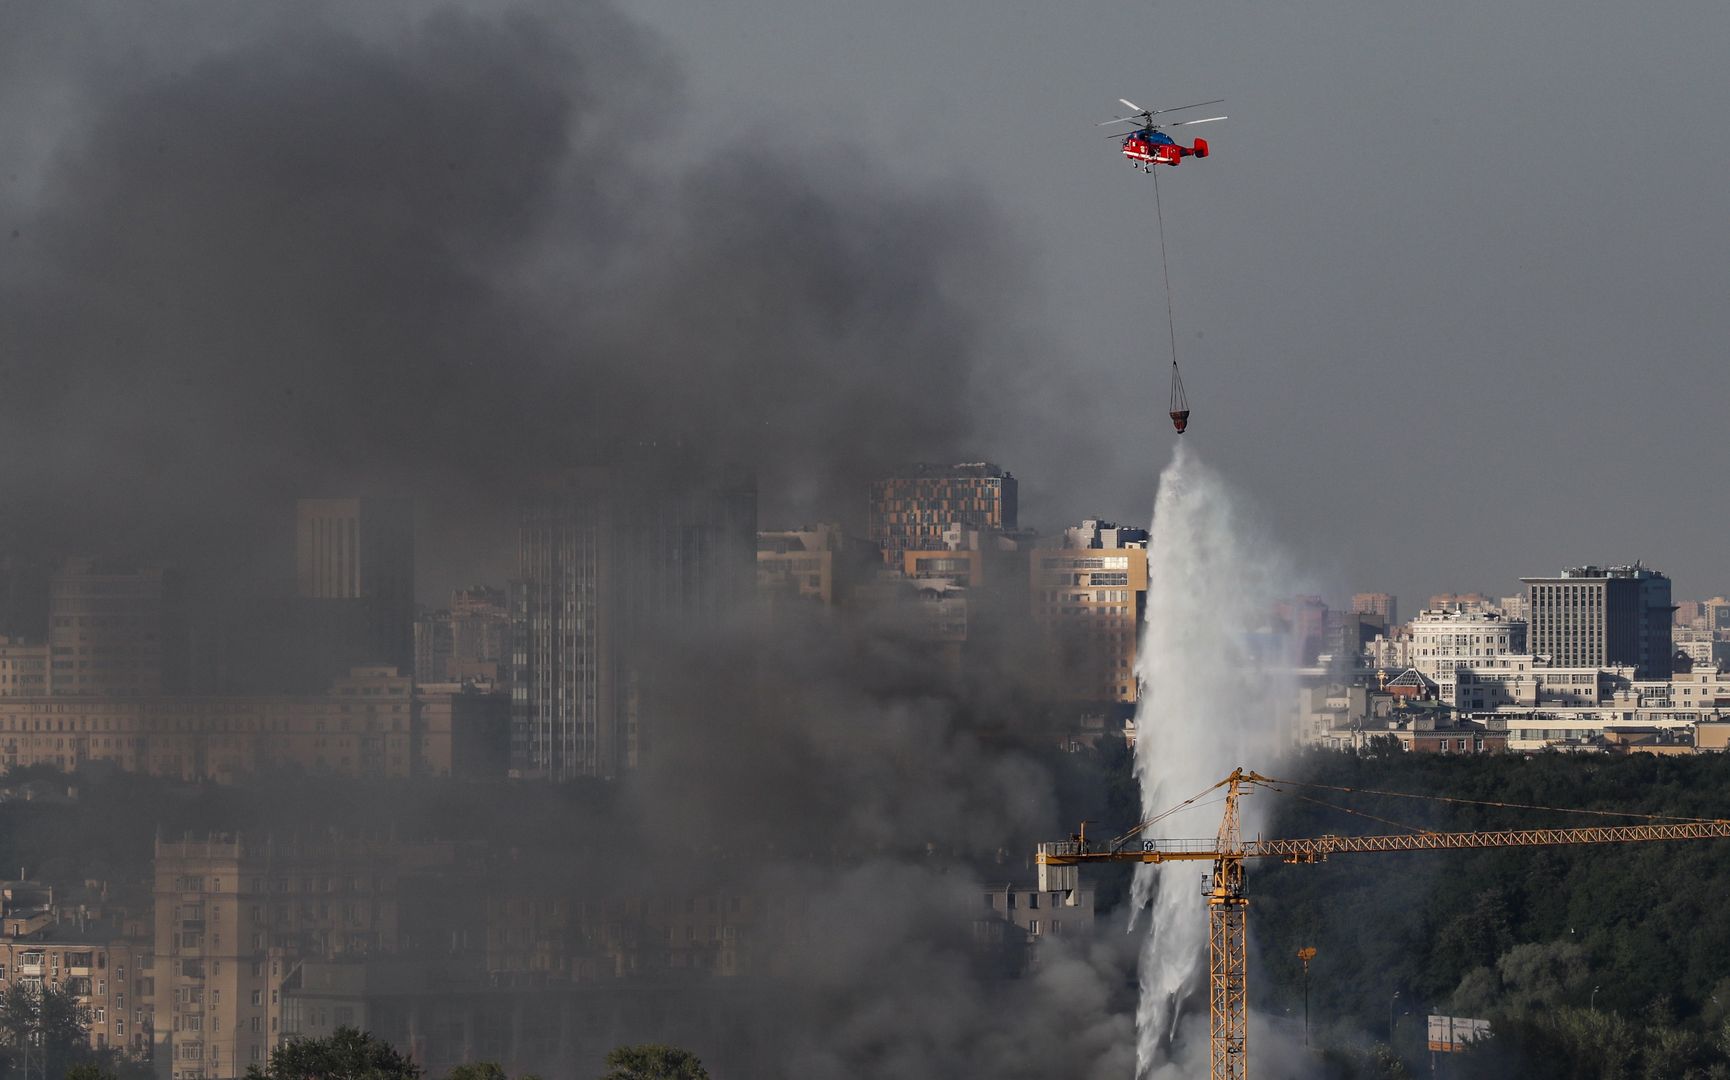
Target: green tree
[
  {"x": 477, "y": 1070},
  {"x": 652, "y": 1061},
  {"x": 346, "y": 1055},
  {"x": 48, "y": 1023}
]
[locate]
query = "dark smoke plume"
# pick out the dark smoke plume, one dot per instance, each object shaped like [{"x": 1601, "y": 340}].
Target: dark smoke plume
[
  {"x": 258, "y": 252},
  {"x": 255, "y": 252}
]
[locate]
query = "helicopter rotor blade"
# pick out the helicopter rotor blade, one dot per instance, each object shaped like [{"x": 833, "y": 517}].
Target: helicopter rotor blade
[
  {"x": 1180, "y": 108},
  {"x": 1119, "y": 120},
  {"x": 1206, "y": 120},
  {"x": 1132, "y": 105}
]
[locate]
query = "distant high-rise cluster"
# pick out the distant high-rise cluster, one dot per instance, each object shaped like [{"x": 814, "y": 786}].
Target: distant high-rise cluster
[
  {"x": 1596, "y": 658},
  {"x": 1380, "y": 604}
]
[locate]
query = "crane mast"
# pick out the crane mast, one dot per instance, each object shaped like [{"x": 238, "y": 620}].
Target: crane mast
[
  {"x": 1228, "y": 906},
  {"x": 1228, "y": 961}
]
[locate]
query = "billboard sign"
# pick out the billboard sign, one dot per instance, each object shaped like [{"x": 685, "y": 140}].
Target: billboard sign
[{"x": 1452, "y": 1034}]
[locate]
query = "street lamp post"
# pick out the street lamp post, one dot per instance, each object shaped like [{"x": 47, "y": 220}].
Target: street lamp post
[
  {"x": 1594, "y": 1005},
  {"x": 1306, "y": 954},
  {"x": 1391, "y": 1001}
]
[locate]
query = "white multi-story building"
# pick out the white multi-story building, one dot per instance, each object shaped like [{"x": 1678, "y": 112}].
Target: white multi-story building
[
  {"x": 1445, "y": 643},
  {"x": 1705, "y": 648},
  {"x": 1562, "y": 716}
]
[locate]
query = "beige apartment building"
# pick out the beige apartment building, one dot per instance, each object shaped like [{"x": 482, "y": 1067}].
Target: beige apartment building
[
  {"x": 73, "y": 940},
  {"x": 234, "y": 915},
  {"x": 799, "y": 562},
  {"x": 23, "y": 668},
  {"x": 1089, "y": 602}
]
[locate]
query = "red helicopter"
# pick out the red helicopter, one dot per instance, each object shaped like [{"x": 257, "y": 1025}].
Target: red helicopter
[{"x": 1149, "y": 145}]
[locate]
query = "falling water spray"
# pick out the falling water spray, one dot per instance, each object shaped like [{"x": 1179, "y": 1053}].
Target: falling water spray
[{"x": 1216, "y": 677}]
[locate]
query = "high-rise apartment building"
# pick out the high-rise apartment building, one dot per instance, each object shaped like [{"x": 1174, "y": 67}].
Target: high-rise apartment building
[
  {"x": 1594, "y": 616},
  {"x": 468, "y": 642},
  {"x": 911, "y": 509},
  {"x": 113, "y": 629},
  {"x": 480, "y": 633},
  {"x": 432, "y": 647},
  {"x": 233, "y": 916},
  {"x": 1380, "y": 604},
  {"x": 799, "y": 562},
  {"x": 1089, "y": 603},
  {"x": 613, "y": 564},
  {"x": 354, "y": 572}
]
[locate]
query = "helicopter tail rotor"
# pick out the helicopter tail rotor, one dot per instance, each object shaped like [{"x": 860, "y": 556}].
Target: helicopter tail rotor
[{"x": 1201, "y": 148}]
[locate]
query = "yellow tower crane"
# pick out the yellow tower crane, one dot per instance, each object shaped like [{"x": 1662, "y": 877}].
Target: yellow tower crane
[{"x": 1228, "y": 907}]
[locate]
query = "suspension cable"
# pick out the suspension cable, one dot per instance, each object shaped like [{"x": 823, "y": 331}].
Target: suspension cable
[
  {"x": 1165, "y": 268},
  {"x": 1265, "y": 780},
  {"x": 1348, "y": 810}
]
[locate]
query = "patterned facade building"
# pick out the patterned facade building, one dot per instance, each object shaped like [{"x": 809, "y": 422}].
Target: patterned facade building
[{"x": 911, "y": 510}]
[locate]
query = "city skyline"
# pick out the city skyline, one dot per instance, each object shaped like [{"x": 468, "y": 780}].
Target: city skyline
[{"x": 534, "y": 526}]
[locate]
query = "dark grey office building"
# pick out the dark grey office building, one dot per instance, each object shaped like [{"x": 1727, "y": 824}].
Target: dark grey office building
[
  {"x": 1596, "y": 616},
  {"x": 613, "y": 563}
]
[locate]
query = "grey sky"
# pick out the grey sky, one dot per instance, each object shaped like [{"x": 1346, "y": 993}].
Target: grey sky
[{"x": 1451, "y": 292}]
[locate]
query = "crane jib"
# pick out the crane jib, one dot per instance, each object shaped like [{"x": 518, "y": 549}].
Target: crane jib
[
  {"x": 1069, "y": 853},
  {"x": 1228, "y": 965}
]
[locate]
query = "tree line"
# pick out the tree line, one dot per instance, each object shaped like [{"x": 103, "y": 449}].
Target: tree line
[{"x": 1607, "y": 961}]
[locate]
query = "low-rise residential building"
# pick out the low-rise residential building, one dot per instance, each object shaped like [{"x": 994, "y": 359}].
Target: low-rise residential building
[{"x": 76, "y": 940}]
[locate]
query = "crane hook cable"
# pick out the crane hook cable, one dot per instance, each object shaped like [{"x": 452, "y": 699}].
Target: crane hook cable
[
  {"x": 1184, "y": 805},
  {"x": 1258, "y": 779}
]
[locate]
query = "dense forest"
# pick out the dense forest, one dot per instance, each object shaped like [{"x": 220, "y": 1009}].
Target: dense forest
[{"x": 1604, "y": 961}]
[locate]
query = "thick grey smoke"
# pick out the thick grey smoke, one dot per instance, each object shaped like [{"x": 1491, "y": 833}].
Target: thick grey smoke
[{"x": 252, "y": 252}]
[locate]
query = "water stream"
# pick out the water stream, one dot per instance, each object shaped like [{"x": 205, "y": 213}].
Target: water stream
[{"x": 1216, "y": 679}]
